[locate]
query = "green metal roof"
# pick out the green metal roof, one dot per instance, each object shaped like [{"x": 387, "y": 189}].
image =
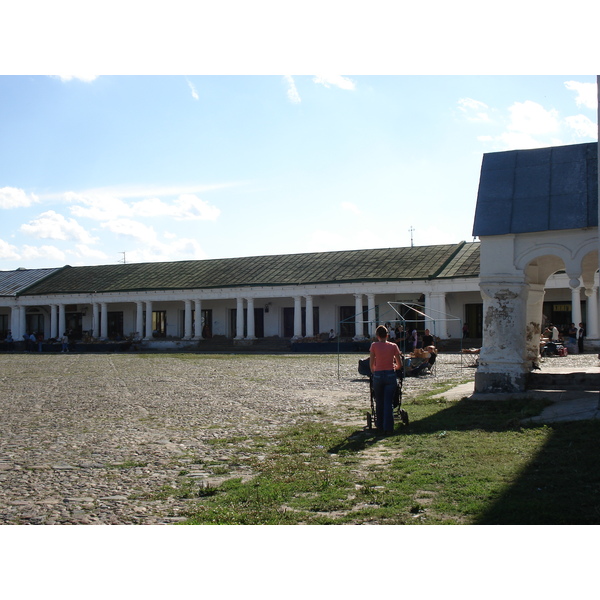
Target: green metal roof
[{"x": 383, "y": 264}]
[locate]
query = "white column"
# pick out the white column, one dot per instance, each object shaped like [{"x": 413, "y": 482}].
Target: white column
[
  {"x": 297, "y": 317},
  {"x": 54, "y": 321},
  {"x": 23, "y": 320},
  {"x": 103, "y": 320},
  {"x": 187, "y": 320},
  {"x": 239, "y": 321},
  {"x": 148, "y": 335},
  {"x": 533, "y": 322},
  {"x": 62, "y": 320},
  {"x": 591, "y": 326},
  {"x": 15, "y": 323},
  {"x": 96, "y": 319},
  {"x": 198, "y": 320},
  {"x": 139, "y": 319},
  {"x": 310, "y": 325},
  {"x": 575, "y": 301},
  {"x": 372, "y": 317},
  {"x": 250, "y": 333},
  {"x": 358, "y": 317},
  {"x": 437, "y": 307}
]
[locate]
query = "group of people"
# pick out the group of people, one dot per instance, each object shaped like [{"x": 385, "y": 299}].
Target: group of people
[
  {"x": 387, "y": 363},
  {"x": 35, "y": 340},
  {"x": 571, "y": 337}
]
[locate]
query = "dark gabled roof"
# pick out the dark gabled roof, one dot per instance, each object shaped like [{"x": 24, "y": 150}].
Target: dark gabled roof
[
  {"x": 383, "y": 264},
  {"x": 464, "y": 264},
  {"x": 544, "y": 189},
  {"x": 12, "y": 283}
]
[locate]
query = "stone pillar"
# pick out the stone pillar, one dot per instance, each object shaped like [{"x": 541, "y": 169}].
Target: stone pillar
[
  {"x": 310, "y": 322},
  {"x": 250, "y": 333},
  {"x": 535, "y": 308},
  {"x": 187, "y": 320},
  {"x": 62, "y": 320},
  {"x": 358, "y": 317},
  {"x": 371, "y": 314},
  {"x": 198, "y": 320},
  {"x": 139, "y": 319},
  {"x": 503, "y": 364},
  {"x": 148, "y": 335},
  {"x": 297, "y": 317},
  {"x": 103, "y": 320},
  {"x": 54, "y": 321},
  {"x": 96, "y": 320},
  {"x": 239, "y": 322},
  {"x": 591, "y": 326}
]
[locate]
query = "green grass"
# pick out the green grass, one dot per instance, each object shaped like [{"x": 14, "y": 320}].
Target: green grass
[{"x": 463, "y": 462}]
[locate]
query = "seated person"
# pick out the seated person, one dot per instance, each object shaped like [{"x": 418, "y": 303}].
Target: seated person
[
  {"x": 418, "y": 363},
  {"x": 331, "y": 335}
]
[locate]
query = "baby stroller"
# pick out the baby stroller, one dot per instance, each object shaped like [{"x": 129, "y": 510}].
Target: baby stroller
[{"x": 365, "y": 369}]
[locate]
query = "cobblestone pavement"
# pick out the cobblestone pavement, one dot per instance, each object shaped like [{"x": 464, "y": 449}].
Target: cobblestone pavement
[{"x": 93, "y": 439}]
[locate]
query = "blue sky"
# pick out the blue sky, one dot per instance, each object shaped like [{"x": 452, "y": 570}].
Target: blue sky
[{"x": 188, "y": 167}]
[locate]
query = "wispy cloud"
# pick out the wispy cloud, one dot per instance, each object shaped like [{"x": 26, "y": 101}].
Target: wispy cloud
[
  {"x": 85, "y": 78},
  {"x": 350, "y": 207},
  {"x": 292, "y": 92},
  {"x": 195, "y": 95},
  {"x": 344, "y": 83},
  {"x": 106, "y": 207},
  {"x": 474, "y": 110},
  {"x": 587, "y": 93},
  {"x": 15, "y": 198}
]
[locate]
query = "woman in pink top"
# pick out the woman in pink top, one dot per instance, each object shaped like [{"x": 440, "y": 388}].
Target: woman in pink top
[{"x": 384, "y": 360}]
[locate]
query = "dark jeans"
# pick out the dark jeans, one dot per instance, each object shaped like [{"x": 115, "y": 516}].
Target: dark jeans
[{"x": 384, "y": 390}]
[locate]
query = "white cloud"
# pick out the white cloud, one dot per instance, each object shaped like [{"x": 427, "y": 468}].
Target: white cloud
[
  {"x": 8, "y": 251},
  {"x": 344, "y": 83},
  {"x": 55, "y": 226},
  {"x": 86, "y": 78},
  {"x": 587, "y": 93},
  {"x": 130, "y": 228},
  {"x": 474, "y": 110},
  {"x": 105, "y": 208},
  {"x": 350, "y": 207},
  {"x": 15, "y": 198},
  {"x": 82, "y": 250},
  {"x": 195, "y": 95},
  {"x": 186, "y": 207},
  {"x": 582, "y": 126},
  {"x": 99, "y": 207},
  {"x": 532, "y": 118},
  {"x": 48, "y": 253},
  {"x": 292, "y": 92},
  {"x": 180, "y": 249}
]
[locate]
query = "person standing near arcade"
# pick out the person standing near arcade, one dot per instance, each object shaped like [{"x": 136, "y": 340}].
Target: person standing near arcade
[{"x": 384, "y": 361}]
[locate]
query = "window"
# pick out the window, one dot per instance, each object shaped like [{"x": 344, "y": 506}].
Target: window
[{"x": 159, "y": 323}]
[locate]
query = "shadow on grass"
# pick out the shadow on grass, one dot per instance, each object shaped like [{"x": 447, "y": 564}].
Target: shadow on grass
[{"x": 559, "y": 485}]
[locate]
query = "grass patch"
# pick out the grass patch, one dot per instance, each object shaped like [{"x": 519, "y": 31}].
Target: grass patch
[{"x": 464, "y": 462}]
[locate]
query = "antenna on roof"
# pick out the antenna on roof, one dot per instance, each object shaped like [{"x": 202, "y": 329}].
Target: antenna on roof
[
  {"x": 411, "y": 235},
  {"x": 124, "y": 261}
]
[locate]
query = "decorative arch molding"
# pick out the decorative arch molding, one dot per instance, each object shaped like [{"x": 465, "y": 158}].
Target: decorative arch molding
[{"x": 577, "y": 255}]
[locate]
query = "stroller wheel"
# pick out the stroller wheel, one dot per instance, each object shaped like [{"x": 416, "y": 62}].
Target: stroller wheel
[
  {"x": 404, "y": 416},
  {"x": 369, "y": 421}
]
